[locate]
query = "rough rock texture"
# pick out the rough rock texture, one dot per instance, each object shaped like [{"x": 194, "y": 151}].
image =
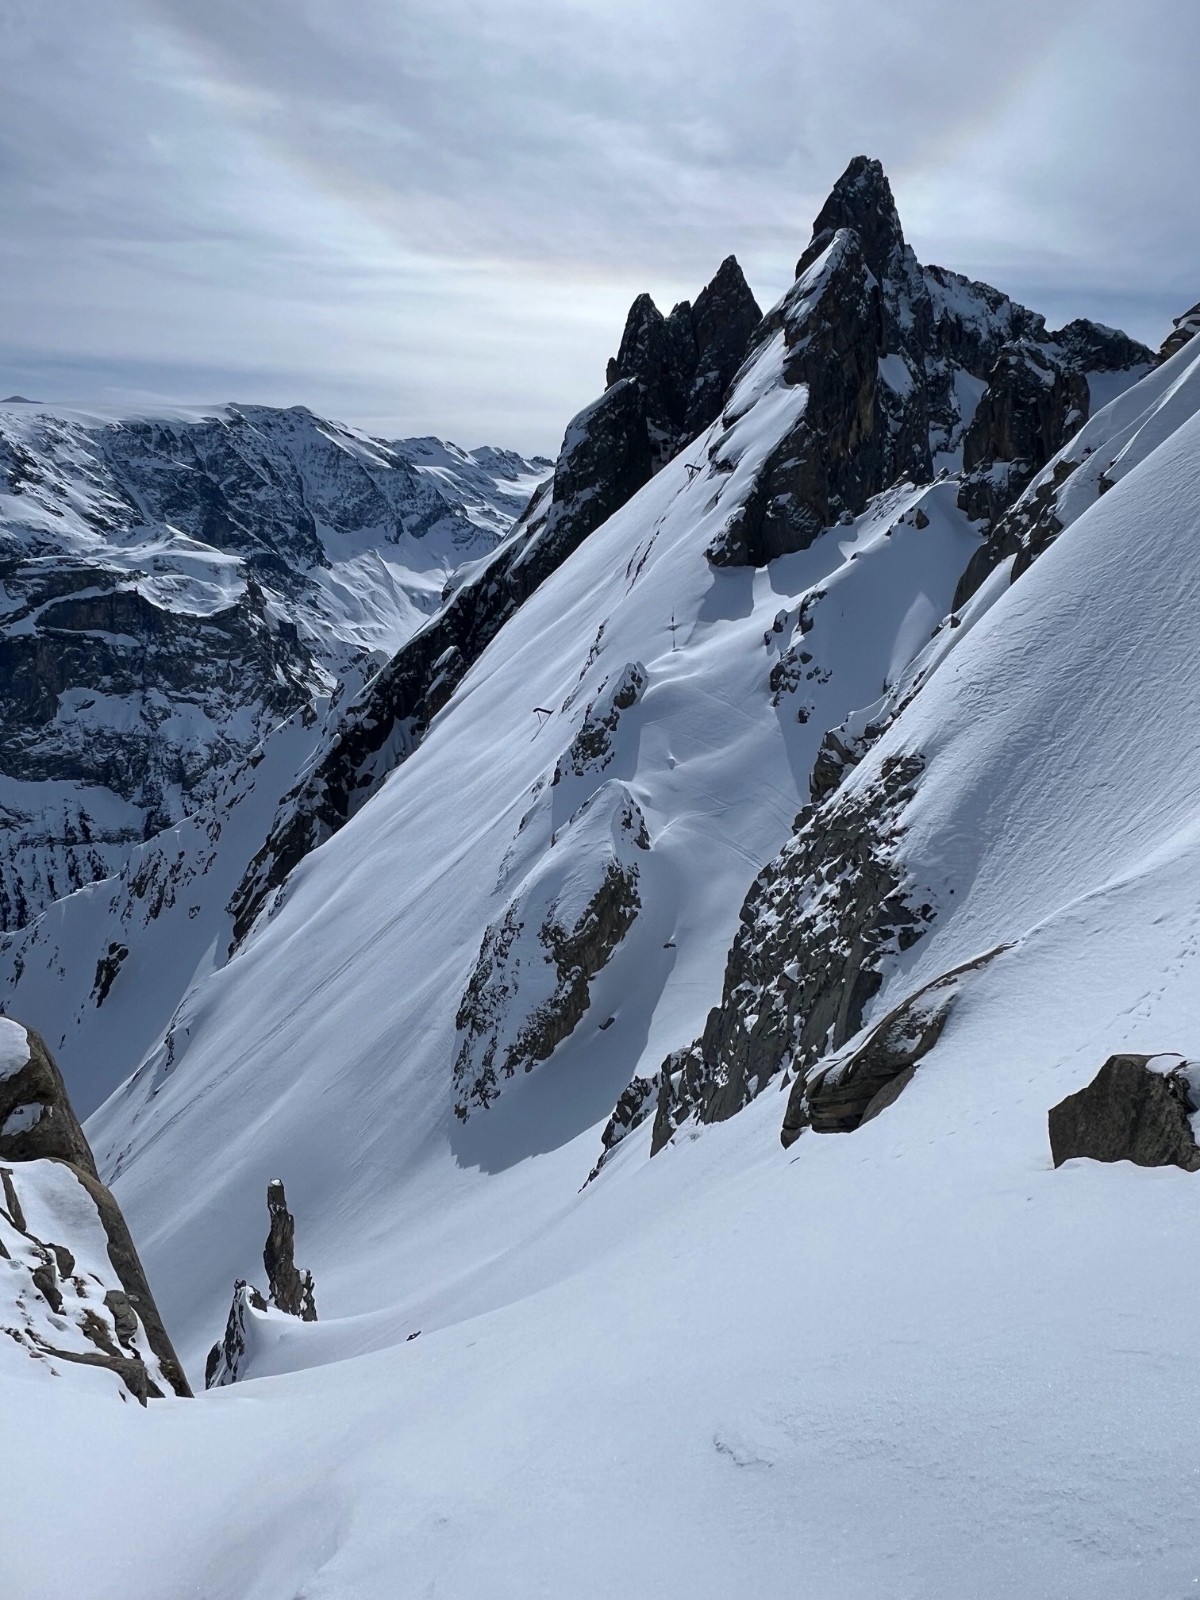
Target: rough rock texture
[
  {"x": 1183, "y": 331},
  {"x": 891, "y": 353},
  {"x": 531, "y": 984},
  {"x": 818, "y": 925},
  {"x": 36, "y": 1119},
  {"x": 1137, "y": 1108},
  {"x": 684, "y": 363},
  {"x": 666, "y": 384},
  {"x": 842, "y": 1094},
  {"x": 290, "y": 1290},
  {"x": 104, "y": 1316},
  {"x": 227, "y": 1358},
  {"x": 592, "y": 747},
  {"x": 169, "y": 590}
]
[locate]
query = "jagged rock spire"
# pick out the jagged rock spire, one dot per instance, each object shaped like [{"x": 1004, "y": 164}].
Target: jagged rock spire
[
  {"x": 861, "y": 199},
  {"x": 291, "y": 1290},
  {"x": 685, "y": 362}
]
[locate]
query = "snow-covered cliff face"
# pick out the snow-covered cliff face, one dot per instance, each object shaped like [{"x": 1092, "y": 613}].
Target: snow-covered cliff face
[
  {"x": 173, "y": 587},
  {"x": 74, "y": 1301}
]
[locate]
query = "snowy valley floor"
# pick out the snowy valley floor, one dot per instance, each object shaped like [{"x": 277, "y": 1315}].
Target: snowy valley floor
[{"x": 912, "y": 1361}]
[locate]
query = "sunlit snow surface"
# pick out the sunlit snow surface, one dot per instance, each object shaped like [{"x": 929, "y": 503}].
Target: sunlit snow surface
[{"x": 911, "y": 1361}]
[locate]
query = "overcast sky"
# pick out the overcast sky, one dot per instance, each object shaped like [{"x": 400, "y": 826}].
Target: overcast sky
[{"x": 430, "y": 216}]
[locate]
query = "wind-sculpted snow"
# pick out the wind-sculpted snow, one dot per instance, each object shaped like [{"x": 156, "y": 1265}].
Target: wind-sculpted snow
[
  {"x": 1112, "y": 443},
  {"x": 714, "y": 750}
]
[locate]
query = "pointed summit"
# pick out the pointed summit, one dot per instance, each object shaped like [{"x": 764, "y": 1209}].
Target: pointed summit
[{"x": 861, "y": 199}]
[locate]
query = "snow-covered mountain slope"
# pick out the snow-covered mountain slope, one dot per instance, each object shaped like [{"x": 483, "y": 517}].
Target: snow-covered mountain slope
[
  {"x": 101, "y": 971},
  {"x": 856, "y": 905},
  {"x": 907, "y": 374},
  {"x": 174, "y": 586},
  {"x": 739, "y": 674},
  {"x": 491, "y": 487},
  {"x": 915, "y": 1359}
]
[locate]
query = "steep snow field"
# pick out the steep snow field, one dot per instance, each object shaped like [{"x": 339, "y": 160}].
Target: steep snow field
[
  {"x": 345, "y": 1001},
  {"x": 913, "y": 1360}
]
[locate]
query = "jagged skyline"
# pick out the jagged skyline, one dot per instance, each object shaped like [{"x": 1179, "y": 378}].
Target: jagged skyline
[{"x": 432, "y": 223}]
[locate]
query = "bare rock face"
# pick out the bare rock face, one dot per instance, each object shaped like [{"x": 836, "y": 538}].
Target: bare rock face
[
  {"x": 886, "y": 350},
  {"x": 591, "y": 749},
  {"x": 1183, "y": 331},
  {"x": 291, "y": 1290},
  {"x": 36, "y": 1119},
  {"x": 684, "y": 363},
  {"x": 79, "y": 1294},
  {"x": 531, "y": 985},
  {"x": 842, "y": 1094},
  {"x": 1137, "y": 1108},
  {"x": 817, "y": 926}
]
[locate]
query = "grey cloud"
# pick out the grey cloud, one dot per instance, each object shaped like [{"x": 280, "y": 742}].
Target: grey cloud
[{"x": 432, "y": 216}]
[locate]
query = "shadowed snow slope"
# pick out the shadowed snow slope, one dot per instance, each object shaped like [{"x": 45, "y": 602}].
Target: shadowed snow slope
[{"x": 911, "y": 1360}]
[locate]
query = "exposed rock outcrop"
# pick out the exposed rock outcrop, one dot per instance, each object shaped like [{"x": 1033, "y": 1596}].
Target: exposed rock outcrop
[
  {"x": 817, "y": 927},
  {"x": 840, "y": 1095},
  {"x": 592, "y": 747},
  {"x": 531, "y": 984},
  {"x": 890, "y": 353},
  {"x": 226, "y": 1361},
  {"x": 684, "y": 363},
  {"x": 80, "y": 1293},
  {"x": 1137, "y": 1108},
  {"x": 1183, "y": 330},
  {"x": 291, "y": 1292},
  {"x": 290, "y": 1289}
]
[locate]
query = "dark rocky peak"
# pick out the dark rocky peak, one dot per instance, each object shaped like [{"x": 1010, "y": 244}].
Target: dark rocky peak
[
  {"x": 659, "y": 353},
  {"x": 685, "y": 362},
  {"x": 862, "y": 200},
  {"x": 1091, "y": 347},
  {"x": 666, "y": 384},
  {"x": 1183, "y": 331},
  {"x": 723, "y": 321}
]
